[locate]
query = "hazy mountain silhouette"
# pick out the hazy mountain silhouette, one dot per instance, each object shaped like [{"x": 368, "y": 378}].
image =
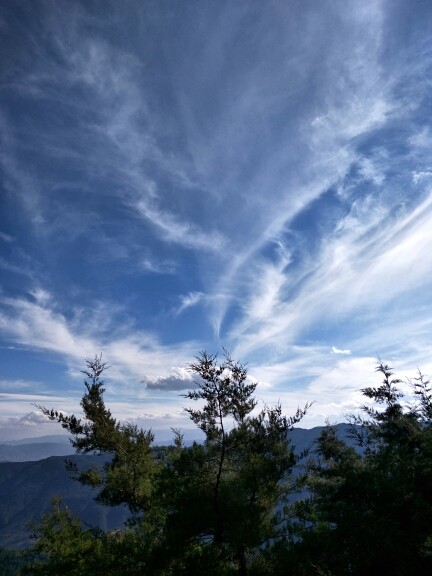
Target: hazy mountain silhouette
[{"x": 26, "y": 488}]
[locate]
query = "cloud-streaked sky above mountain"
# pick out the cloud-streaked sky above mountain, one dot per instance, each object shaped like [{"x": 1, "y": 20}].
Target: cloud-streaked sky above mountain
[{"x": 181, "y": 176}]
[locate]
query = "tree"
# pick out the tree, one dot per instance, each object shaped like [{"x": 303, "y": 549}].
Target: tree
[
  {"x": 370, "y": 509},
  {"x": 11, "y": 561},
  {"x": 207, "y": 508},
  {"x": 227, "y": 490},
  {"x": 64, "y": 548},
  {"x": 218, "y": 507},
  {"x": 61, "y": 546},
  {"x": 129, "y": 477}
]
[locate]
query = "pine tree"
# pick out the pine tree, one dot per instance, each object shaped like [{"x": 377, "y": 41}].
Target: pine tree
[
  {"x": 227, "y": 489},
  {"x": 370, "y": 509},
  {"x": 208, "y": 508}
]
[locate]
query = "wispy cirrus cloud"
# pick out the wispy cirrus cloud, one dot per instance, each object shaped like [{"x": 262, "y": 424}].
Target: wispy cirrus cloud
[
  {"x": 329, "y": 146},
  {"x": 378, "y": 253},
  {"x": 189, "y": 300},
  {"x": 186, "y": 234},
  {"x": 116, "y": 137},
  {"x": 156, "y": 266},
  {"x": 134, "y": 354},
  {"x": 374, "y": 262}
]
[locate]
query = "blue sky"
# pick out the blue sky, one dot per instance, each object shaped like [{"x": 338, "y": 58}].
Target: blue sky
[{"x": 181, "y": 176}]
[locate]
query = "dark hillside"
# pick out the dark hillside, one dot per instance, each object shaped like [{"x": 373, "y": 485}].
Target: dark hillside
[
  {"x": 26, "y": 490},
  {"x": 303, "y": 438}
]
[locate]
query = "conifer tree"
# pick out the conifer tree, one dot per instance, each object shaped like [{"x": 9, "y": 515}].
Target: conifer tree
[
  {"x": 370, "y": 509},
  {"x": 207, "y": 508},
  {"x": 227, "y": 489}
]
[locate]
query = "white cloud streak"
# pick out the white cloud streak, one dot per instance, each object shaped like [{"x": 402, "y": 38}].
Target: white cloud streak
[
  {"x": 133, "y": 355},
  {"x": 189, "y": 300},
  {"x": 335, "y": 350}
]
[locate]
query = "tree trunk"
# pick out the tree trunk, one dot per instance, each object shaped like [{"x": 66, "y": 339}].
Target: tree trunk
[{"x": 241, "y": 561}]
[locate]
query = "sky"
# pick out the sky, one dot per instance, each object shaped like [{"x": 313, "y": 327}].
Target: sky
[{"x": 200, "y": 175}]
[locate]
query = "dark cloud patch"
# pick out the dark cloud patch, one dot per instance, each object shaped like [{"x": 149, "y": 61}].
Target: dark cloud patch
[{"x": 172, "y": 382}]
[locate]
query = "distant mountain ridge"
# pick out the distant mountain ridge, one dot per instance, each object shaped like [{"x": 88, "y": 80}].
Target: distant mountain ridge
[
  {"x": 27, "y": 488},
  {"x": 31, "y": 449},
  {"x": 49, "y": 439},
  {"x": 33, "y": 452}
]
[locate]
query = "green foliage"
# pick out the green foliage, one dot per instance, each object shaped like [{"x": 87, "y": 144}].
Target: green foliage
[
  {"x": 370, "y": 511},
  {"x": 224, "y": 493},
  {"x": 64, "y": 547},
  {"x": 61, "y": 546},
  {"x": 11, "y": 562},
  {"x": 128, "y": 477},
  {"x": 223, "y": 507},
  {"x": 204, "y": 508}
]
